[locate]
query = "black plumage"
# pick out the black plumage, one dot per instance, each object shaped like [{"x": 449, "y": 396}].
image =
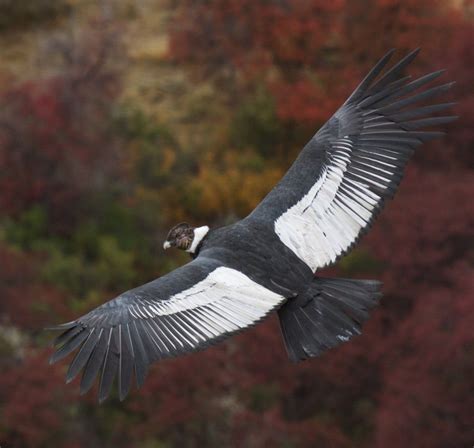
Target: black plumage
[{"x": 265, "y": 262}]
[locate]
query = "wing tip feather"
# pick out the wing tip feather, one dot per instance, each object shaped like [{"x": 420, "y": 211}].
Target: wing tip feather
[{"x": 61, "y": 327}]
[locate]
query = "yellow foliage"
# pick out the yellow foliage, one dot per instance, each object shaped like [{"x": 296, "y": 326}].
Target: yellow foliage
[
  {"x": 227, "y": 188},
  {"x": 150, "y": 49},
  {"x": 169, "y": 158}
]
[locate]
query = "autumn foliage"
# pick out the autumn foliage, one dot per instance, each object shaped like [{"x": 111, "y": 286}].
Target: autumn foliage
[{"x": 90, "y": 181}]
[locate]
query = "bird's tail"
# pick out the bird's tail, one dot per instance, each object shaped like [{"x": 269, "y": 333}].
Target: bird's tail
[{"x": 330, "y": 312}]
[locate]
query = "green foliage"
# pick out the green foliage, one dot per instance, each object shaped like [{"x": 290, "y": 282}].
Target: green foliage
[
  {"x": 263, "y": 397},
  {"x": 30, "y": 227},
  {"x": 256, "y": 124},
  {"x": 147, "y": 141},
  {"x": 98, "y": 255},
  {"x": 112, "y": 268},
  {"x": 360, "y": 260},
  {"x": 153, "y": 443},
  {"x": 108, "y": 216}
]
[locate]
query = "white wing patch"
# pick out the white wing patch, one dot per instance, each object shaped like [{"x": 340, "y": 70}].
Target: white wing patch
[
  {"x": 330, "y": 216},
  {"x": 225, "y": 301}
]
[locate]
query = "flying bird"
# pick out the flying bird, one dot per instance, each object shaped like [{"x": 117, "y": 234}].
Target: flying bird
[{"x": 267, "y": 261}]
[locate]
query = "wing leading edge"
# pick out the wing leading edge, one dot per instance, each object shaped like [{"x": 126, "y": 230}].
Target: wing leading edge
[
  {"x": 187, "y": 310},
  {"x": 343, "y": 176},
  {"x": 327, "y": 199}
]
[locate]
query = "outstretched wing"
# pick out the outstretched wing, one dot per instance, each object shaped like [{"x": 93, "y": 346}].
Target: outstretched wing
[
  {"x": 343, "y": 176},
  {"x": 184, "y": 311}
]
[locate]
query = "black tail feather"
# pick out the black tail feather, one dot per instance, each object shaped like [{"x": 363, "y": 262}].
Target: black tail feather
[{"x": 331, "y": 311}]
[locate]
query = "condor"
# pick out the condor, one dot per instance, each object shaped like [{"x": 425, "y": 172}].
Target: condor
[{"x": 267, "y": 261}]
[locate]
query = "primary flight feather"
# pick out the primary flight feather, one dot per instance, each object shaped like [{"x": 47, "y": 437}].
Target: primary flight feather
[{"x": 267, "y": 261}]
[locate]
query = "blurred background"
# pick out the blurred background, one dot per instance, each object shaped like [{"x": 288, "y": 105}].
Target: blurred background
[{"x": 119, "y": 119}]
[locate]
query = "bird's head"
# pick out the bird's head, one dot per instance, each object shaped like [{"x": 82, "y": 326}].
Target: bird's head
[{"x": 185, "y": 237}]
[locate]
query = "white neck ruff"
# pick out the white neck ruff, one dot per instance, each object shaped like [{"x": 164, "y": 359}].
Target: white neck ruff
[{"x": 199, "y": 234}]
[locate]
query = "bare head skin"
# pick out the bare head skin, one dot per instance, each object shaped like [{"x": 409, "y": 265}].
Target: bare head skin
[
  {"x": 180, "y": 236},
  {"x": 185, "y": 237}
]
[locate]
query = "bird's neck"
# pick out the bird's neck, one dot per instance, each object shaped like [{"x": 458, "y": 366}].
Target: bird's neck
[{"x": 199, "y": 234}]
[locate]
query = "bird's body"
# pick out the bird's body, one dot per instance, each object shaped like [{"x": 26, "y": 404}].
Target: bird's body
[
  {"x": 252, "y": 247},
  {"x": 267, "y": 261}
]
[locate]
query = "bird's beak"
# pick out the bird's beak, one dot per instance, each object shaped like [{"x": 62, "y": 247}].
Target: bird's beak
[{"x": 166, "y": 245}]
